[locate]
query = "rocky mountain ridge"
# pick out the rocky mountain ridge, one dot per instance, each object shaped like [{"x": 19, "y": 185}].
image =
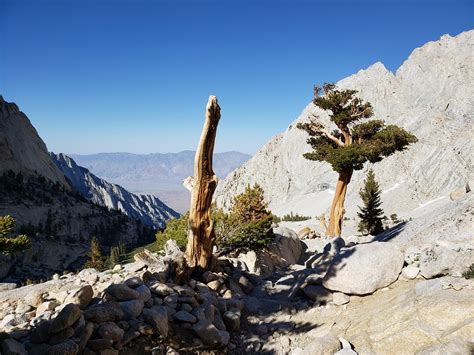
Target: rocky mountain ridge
[
  {"x": 157, "y": 174},
  {"x": 431, "y": 95},
  {"x": 21, "y": 148},
  {"x": 146, "y": 208}
]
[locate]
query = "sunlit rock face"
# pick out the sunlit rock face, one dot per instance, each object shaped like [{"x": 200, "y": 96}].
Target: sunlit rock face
[{"x": 431, "y": 95}]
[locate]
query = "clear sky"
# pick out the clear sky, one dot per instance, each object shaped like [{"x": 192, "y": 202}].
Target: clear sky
[{"x": 134, "y": 76}]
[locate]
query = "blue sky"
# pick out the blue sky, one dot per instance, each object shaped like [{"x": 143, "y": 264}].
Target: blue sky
[{"x": 134, "y": 76}]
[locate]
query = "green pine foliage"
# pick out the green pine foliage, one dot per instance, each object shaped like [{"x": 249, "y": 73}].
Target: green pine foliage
[
  {"x": 9, "y": 244},
  {"x": 249, "y": 223},
  {"x": 291, "y": 217},
  {"x": 353, "y": 142},
  {"x": 176, "y": 229},
  {"x": 371, "y": 214},
  {"x": 96, "y": 260}
]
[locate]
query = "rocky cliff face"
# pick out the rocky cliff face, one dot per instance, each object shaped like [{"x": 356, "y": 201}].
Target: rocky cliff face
[
  {"x": 57, "y": 218},
  {"x": 148, "y": 209},
  {"x": 21, "y": 148},
  {"x": 431, "y": 95}
]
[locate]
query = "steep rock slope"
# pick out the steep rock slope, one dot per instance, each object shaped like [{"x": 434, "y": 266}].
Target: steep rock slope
[
  {"x": 59, "y": 221},
  {"x": 148, "y": 209},
  {"x": 431, "y": 95},
  {"x": 21, "y": 148}
]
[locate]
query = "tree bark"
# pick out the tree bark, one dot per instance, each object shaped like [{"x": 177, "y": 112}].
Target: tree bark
[
  {"x": 337, "y": 208},
  {"x": 201, "y": 230}
]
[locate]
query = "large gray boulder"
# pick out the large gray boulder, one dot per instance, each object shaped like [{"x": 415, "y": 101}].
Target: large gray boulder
[
  {"x": 364, "y": 268},
  {"x": 285, "y": 250}
]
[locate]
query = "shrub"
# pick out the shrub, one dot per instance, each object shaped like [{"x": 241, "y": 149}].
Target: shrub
[
  {"x": 176, "y": 229},
  {"x": 96, "y": 260},
  {"x": 249, "y": 223},
  {"x": 469, "y": 274},
  {"x": 10, "y": 245}
]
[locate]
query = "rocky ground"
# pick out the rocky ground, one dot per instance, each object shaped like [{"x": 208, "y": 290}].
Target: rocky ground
[{"x": 401, "y": 292}]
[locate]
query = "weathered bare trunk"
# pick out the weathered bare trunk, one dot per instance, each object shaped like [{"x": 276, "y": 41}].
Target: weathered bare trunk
[
  {"x": 337, "y": 208},
  {"x": 201, "y": 230}
]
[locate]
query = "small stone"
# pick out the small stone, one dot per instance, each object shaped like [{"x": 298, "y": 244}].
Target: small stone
[
  {"x": 186, "y": 307},
  {"x": 89, "y": 275},
  {"x": 98, "y": 314},
  {"x": 340, "y": 298},
  {"x": 23, "y": 308},
  {"x": 245, "y": 284},
  {"x": 133, "y": 282},
  {"x": 184, "y": 316},
  {"x": 157, "y": 317},
  {"x": 33, "y": 298},
  {"x": 161, "y": 289},
  {"x": 46, "y": 306},
  {"x": 131, "y": 309},
  {"x": 232, "y": 320},
  {"x": 67, "y": 317},
  {"x": 81, "y": 297},
  {"x": 144, "y": 293},
  {"x": 410, "y": 272},
  {"x": 209, "y": 334},
  {"x": 110, "y": 330},
  {"x": 214, "y": 285},
  {"x": 122, "y": 292}
]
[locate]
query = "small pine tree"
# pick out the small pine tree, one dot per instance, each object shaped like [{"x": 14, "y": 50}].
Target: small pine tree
[
  {"x": 250, "y": 220},
  {"x": 10, "y": 245},
  {"x": 96, "y": 260},
  {"x": 371, "y": 215}
]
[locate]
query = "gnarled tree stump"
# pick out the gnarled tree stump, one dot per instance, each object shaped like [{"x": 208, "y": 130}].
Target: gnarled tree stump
[{"x": 201, "y": 230}]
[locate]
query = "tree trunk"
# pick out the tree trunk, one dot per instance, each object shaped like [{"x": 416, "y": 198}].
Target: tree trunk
[
  {"x": 337, "y": 208},
  {"x": 201, "y": 230}
]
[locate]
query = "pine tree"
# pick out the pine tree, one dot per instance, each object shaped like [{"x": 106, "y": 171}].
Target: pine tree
[
  {"x": 10, "y": 245},
  {"x": 371, "y": 215},
  {"x": 351, "y": 144},
  {"x": 96, "y": 260},
  {"x": 250, "y": 221}
]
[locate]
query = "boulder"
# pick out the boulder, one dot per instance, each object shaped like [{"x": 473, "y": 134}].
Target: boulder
[
  {"x": 131, "y": 309},
  {"x": 81, "y": 297},
  {"x": 184, "y": 316},
  {"x": 285, "y": 250},
  {"x": 364, "y": 268},
  {"x": 157, "y": 317},
  {"x": 209, "y": 334},
  {"x": 110, "y": 330},
  {"x": 65, "y": 318},
  {"x": 122, "y": 292}
]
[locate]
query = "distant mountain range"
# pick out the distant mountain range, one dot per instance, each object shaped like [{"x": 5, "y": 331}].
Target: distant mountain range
[
  {"x": 157, "y": 174},
  {"x": 146, "y": 208}
]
